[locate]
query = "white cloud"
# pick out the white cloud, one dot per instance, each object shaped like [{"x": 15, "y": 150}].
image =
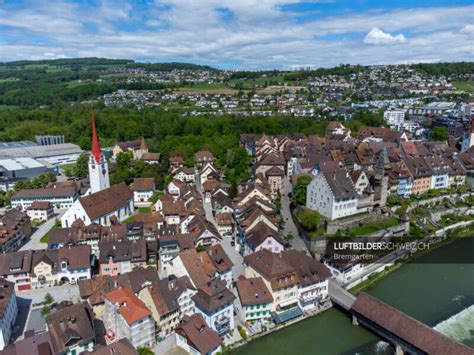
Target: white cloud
[
  {"x": 251, "y": 34},
  {"x": 377, "y": 36},
  {"x": 469, "y": 29}
]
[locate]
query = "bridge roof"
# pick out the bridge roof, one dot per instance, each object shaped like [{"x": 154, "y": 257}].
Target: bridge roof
[{"x": 407, "y": 328}]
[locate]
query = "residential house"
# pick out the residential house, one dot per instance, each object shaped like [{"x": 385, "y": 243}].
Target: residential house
[
  {"x": 63, "y": 265},
  {"x": 162, "y": 301},
  {"x": 40, "y": 211},
  {"x": 137, "y": 148},
  {"x": 184, "y": 174},
  {"x": 207, "y": 172},
  {"x": 261, "y": 236},
  {"x": 196, "y": 337},
  {"x": 118, "y": 258},
  {"x": 128, "y": 317},
  {"x": 16, "y": 267},
  {"x": 71, "y": 328},
  {"x": 15, "y": 228},
  {"x": 255, "y": 300},
  {"x": 420, "y": 173},
  {"x": 221, "y": 262},
  {"x": 225, "y": 225},
  {"x": 151, "y": 158},
  {"x": 203, "y": 157},
  {"x": 119, "y": 347},
  {"x": 94, "y": 290},
  {"x": 8, "y": 311},
  {"x": 143, "y": 190},
  {"x": 216, "y": 304}
]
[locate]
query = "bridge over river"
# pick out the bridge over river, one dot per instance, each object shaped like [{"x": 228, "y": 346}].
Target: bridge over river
[{"x": 407, "y": 334}]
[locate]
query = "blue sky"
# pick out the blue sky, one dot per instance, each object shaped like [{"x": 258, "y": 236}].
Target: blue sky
[{"x": 244, "y": 34}]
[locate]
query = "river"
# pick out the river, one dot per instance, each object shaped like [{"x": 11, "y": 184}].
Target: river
[{"x": 437, "y": 289}]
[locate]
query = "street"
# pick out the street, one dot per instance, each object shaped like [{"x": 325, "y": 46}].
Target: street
[
  {"x": 35, "y": 240},
  {"x": 290, "y": 227},
  {"x": 235, "y": 257}
]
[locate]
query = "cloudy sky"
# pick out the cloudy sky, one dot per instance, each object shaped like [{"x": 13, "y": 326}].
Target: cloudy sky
[{"x": 252, "y": 34}]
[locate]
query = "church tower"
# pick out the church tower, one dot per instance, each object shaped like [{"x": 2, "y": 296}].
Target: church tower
[{"x": 98, "y": 168}]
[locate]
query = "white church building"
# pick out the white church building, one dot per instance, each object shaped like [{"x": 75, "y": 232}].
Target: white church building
[{"x": 103, "y": 204}]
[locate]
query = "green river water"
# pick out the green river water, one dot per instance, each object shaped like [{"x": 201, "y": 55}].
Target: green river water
[{"x": 437, "y": 289}]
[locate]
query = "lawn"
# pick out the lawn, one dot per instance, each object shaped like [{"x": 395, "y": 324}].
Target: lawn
[
  {"x": 144, "y": 209},
  {"x": 45, "y": 238},
  {"x": 449, "y": 219},
  {"x": 373, "y": 227},
  {"x": 467, "y": 86}
]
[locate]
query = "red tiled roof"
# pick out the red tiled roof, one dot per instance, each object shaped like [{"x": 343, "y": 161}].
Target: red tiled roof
[{"x": 131, "y": 307}]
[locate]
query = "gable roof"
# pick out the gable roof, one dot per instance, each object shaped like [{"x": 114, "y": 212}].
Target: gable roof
[
  {"x": 70, "y": 325},
  {"x": 106, "y": 201},
  {"x": 199, "y": 334},
  {"x": 131, "y": 308},
  {"x": 253, "y": 291},
  {"x": 340, "y": 184}
]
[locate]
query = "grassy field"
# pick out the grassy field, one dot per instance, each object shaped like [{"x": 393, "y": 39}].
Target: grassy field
[
  {"x": 215, "y": 88},
  {"x": 373, "y": 227},
  {"x": 467, "y": 86}
]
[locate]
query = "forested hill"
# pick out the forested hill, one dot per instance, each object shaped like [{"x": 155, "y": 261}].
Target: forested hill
[{"x": 93, "y": 62}]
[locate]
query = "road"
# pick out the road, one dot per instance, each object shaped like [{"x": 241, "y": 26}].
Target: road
[
  {"x": 35, "y": 240},
  {"x": 290, "y": 227},
  {"x": 235, "y": 257}
]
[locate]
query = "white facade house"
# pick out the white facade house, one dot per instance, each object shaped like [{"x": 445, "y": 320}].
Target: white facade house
[
  {"x": 333, "y": 195},
  {"x": 60, "y": 197},
  {"x": 468, "y": 138},
  {"x": 143, "y": 190},
  {"x": 216, "y": 304},
  {"x": 394, "y": 118},
  {"x": 344, "y": 273},
  {"x": 309, "y": 296},
  {"x": 40, "y": 211},
  {"x": 8, "y": 310},
  {"x": 128, "y": 317}
]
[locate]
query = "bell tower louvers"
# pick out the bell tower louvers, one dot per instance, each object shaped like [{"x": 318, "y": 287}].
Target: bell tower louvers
[{"x": 98, "y": 167}]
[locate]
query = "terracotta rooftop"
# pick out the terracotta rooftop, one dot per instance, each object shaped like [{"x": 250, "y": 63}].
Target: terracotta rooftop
[
  {"x": 253, "y": 291},
  {"x": 131, "y": 307}
]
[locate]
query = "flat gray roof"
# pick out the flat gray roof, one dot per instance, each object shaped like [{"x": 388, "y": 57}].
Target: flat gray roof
[
  {"x": 20, "y": 163},
  {"x": 40, "y": 151}
]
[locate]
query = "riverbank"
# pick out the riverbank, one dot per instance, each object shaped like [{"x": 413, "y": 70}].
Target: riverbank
[{"x": 433, "y": 276}]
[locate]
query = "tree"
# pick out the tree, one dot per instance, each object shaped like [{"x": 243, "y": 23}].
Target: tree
[
  {"x": 123, "y": 171},
  {"x": 144, "y": 351},
  {"x": 81, "y": 169},
  {"x": 45, "y": 310},
  {"x": 289, "y": 237},
  {"x": 298, "y": 196},
  {"x": 309, "y": 219},
  {"x": 439, "y": 133},
  {"x": 48, "y": 299}
]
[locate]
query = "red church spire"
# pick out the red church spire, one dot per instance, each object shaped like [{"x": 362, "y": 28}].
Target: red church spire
[{"x": 96, "y": 152}]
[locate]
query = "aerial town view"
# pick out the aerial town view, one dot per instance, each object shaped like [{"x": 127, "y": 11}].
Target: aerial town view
[{"x": 243, "y": 177}]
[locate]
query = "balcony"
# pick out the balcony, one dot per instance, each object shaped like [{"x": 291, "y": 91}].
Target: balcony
[{"x": 222, "y": 325}]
